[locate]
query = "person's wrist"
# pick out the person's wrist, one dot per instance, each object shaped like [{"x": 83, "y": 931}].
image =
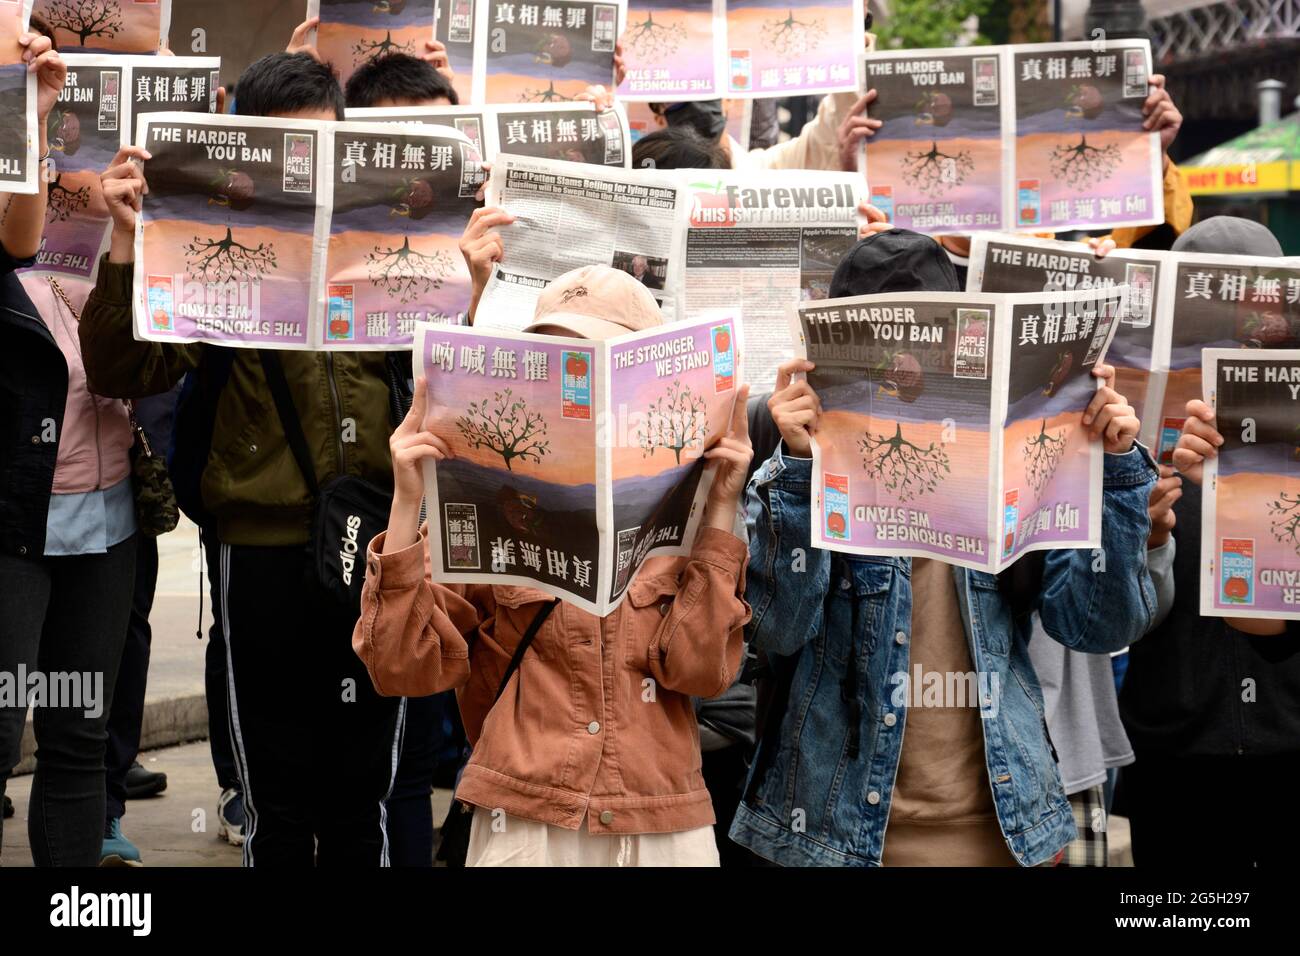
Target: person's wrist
[
  {"x": 721, "y": 514},
  {"x": 121, "y": 245}
]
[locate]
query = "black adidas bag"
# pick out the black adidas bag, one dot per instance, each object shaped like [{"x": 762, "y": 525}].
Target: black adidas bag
[{"x": 349, "y": 511}]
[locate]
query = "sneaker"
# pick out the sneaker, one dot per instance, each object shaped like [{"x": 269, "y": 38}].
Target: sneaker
[
  {"x": 9, "y": 808},
  {"x": 142, "y": 783},
  {"x": 230, "y": 811},
  {"x": 117, "y": 849}
]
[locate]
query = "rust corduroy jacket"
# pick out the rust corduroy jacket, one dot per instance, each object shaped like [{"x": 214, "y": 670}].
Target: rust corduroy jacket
[{"x": 597, "y": 721}]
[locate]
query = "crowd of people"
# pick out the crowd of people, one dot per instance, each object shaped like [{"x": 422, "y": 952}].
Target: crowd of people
[{"x": 773, "y": 734}]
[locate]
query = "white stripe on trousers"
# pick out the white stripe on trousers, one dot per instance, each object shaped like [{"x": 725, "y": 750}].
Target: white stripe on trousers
[
  {"x": 399, "y": 734},
  {"x": 241, "y": 758},
  {"x": 232, "y": 712}
]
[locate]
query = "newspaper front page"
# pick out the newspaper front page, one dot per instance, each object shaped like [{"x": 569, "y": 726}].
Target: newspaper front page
[
  {"x": 1250, "y": 522},
  {"x": 934, "y": 442},
  {"x": 573, "y": 460}
]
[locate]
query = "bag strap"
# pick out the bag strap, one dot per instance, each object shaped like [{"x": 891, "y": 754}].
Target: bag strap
[
  {"x": 400, "y": 395},
  {"x": 136, "y": 430},
  {"x": 539, "y": 619},
  {"x": 288, "y": 414}
]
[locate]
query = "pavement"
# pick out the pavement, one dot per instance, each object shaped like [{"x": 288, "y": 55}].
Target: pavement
[
  {"x": 179, "y": 827},
  {"x": 176, "y": 828}
]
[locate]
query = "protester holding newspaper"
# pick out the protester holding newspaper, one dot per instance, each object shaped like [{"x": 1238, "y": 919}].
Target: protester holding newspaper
[
  {"x": 1211, "y": 699},
  {"x": 861, "y": 795},
  {"x": 67, "y": 527},
  {"x": 574, "y": 764},
  {"x": 321, "y": 762}
]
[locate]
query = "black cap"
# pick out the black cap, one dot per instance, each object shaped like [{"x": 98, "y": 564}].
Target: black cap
[
  {"x": 895, "y": 261},
  {"x": 706, "y": 116}
]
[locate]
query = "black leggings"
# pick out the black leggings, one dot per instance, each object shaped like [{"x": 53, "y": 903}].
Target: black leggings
[{"x": 64, "y": 618}]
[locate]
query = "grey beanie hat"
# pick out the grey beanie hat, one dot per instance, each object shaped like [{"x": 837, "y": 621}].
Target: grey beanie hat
[{"x": 1228, "y": 235}]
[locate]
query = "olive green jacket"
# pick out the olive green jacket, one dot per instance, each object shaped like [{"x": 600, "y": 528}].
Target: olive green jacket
[{"x": 252, "y": 486}]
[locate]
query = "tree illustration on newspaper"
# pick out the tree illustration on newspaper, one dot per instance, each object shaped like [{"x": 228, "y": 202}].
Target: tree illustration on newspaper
[
  {"x": 791, "y": 37},
  {"x": 367, "y": 48},
  {"x": 64, "y": 203},
  {"x": 505, "y": 425},
  {"x": 933, "y": 171},
  {"x": 675, "y": 420},
  {"x": 1042, "y": 453},
  {"x": 1081, "y": 165},
  {"x": 652, "y": 41},
  {"x": 902, "y": 467},
  {"x": 405, "y": 274},
  {"x": 218, "y": 260},
  {"x": 548, "y": 95},
  {"x": 1285, "y": 523},
  {"x": 83, "y": 18}
]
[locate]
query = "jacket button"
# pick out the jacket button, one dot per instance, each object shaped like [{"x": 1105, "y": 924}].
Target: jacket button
[
  {"x": 890, "y": 720},
  {"x": 607, "y": 817},
  {"x": 22, "y": 549},
  {"x": 36, "y": 439},
  {"x": 593, "y": 727},
  {"x": 900, "y": 638},
  {"x": 252, "y": 449},
  {"x": 873, "y": 798},
  {"x": 845, "y": 584},
  {"x": 664, "y": 608}
]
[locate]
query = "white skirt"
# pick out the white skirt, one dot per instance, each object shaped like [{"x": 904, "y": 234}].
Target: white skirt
[{"x": 501, "y": 840}]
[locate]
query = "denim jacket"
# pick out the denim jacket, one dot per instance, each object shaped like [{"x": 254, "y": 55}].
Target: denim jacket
[{"x": 819, "y": 791}]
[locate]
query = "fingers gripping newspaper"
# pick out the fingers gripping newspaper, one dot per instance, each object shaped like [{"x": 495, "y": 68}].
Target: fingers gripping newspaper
[
  {"x": 576, "y": 132},
  {"x": 572, "y": 214},
  {"x": 1250, "y": 523},
  {"x": 762, "y": 243},
  {"x": 95, "y": 116},
  {"x": 951, "y": 423},
  {"x": 1224, "y": 302},
  {"x": 572, "y": 460},
  {"x": 19, "y": 133},
  {"x": 352, "y": 34},
  {"x": 455, "y": 30},
  {"x": 283, "y": 233}
]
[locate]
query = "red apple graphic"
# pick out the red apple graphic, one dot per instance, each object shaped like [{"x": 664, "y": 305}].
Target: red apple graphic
[
  {"x": 709, "y": 201},
  {"x": 835, "y": 522},
  {"x": 575, "y": 366},
  {"x": 1263, "y": 330},
  {"x": 1086, "y": 101},
  {"x": 554, "y": 49},
  {"x": 64, "y": 132},
  {"x": 722, "y": 340},
  {"x": 416, "y": 199},
  {"x": 339, "y": 327},
  {"x": 161, "y": 320},
  {"x": 235, "y": 189},
  {"x": 1236, "y": 588},
  {"x": 1064, "y": 362},
  {"x": 905, "y": 378}
]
